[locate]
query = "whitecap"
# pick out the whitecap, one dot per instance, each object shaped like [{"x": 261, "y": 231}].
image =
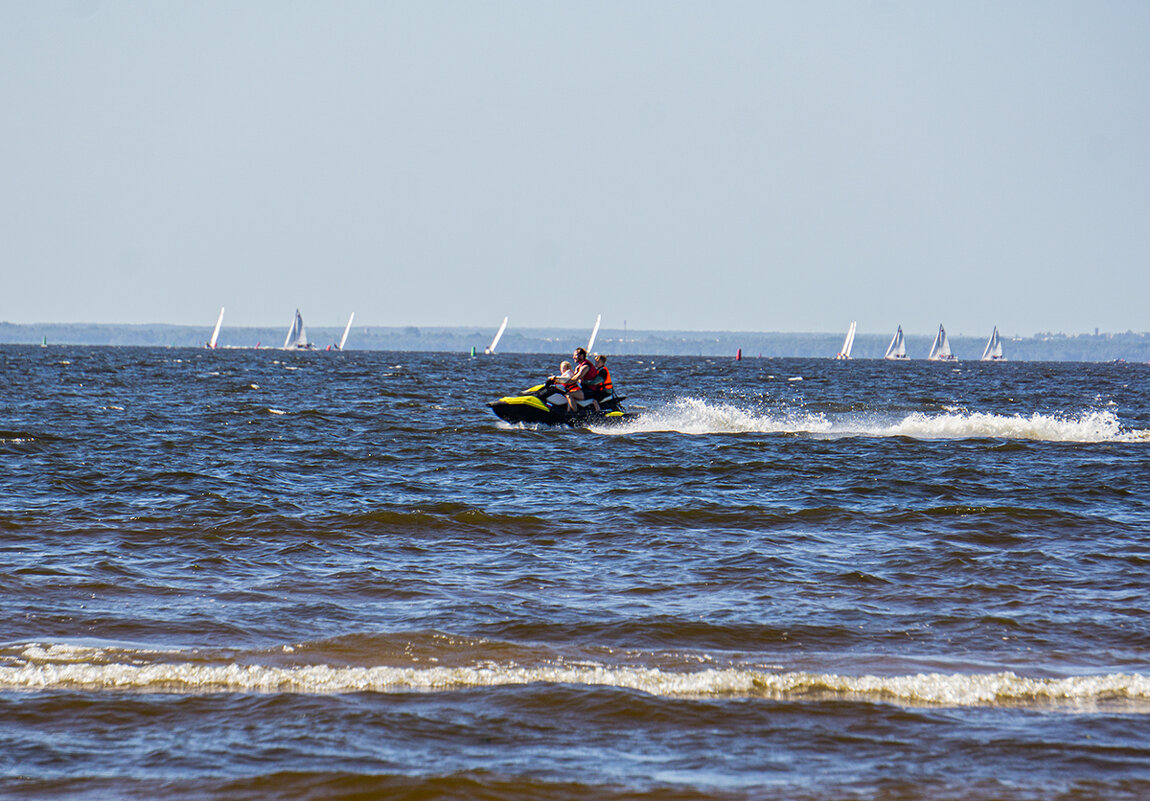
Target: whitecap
[{"x": 64, "y": 667}]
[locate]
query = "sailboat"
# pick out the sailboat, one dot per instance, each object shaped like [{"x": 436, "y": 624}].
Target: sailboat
[
  {"x": 346, "y": 331},
  {"x": 491, "y": 348},
  {"x": 993, "y": 351},
  {"x": 848, "y": 343},
  {"x": 297, "y": 336},
  {"x": 897, "y": 347},
  {"x": 594, "y": 333},
  {"x": 940, "y": 350},
  {"x": 216, "y": 332}
]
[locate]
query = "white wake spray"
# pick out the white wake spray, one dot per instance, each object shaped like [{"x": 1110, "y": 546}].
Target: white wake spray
[
  {"x": 695, "y": 416},
  {"x": 1085, "y": 427}
]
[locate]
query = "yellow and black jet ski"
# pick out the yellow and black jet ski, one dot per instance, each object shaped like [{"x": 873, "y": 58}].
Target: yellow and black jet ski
[{"x": 547, "y": 404}]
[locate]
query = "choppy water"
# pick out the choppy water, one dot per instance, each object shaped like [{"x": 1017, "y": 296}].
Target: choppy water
[{"x": 251, "y": 574}]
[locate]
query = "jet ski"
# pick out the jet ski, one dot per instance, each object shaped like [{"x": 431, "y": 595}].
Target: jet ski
[{"x": 547, "y": 404}]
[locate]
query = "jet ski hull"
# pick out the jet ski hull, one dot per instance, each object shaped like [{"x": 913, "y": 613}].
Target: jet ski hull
[{"x": 546, "y": 406}]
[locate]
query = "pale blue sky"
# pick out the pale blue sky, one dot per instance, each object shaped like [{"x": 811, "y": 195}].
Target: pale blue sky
[{"x": 699, "y": 165}]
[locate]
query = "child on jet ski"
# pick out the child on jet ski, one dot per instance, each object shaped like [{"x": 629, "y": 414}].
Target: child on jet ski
[
  {"x": 602, "y": 386},
  {"x": 565, "y": 380}
]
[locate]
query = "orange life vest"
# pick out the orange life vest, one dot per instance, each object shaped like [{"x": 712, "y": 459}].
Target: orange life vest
[
  {"x": 607, "y": 387},
  {"x": 566, "y": 383}
]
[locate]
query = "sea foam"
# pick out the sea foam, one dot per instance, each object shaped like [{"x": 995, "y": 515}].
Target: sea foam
[{"x": 93, "y": 669}]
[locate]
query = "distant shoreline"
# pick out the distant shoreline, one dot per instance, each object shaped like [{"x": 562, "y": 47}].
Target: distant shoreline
[{"x": 1102, "y": 347}]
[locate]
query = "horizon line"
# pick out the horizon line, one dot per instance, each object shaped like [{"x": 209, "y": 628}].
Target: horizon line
[{"x": 698, "y": 331}]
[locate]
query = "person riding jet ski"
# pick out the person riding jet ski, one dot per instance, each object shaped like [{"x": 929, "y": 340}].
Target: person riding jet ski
[
  {"x": 555, "y": 402},
  {"x": 582, "y": 377},
  {"x": 601, "y": 386}
]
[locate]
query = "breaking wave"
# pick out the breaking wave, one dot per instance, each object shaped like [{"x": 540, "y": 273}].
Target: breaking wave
[
  {"x": 695, "y": 416},
  {"x": 56, "y": 668}
]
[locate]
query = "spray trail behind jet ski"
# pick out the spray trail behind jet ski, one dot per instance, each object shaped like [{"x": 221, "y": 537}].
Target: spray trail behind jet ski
[{"x": 697, "y": 416}]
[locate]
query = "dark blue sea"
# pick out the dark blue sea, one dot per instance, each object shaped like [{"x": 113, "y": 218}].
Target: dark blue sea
[{"x": 251, "y": 574}]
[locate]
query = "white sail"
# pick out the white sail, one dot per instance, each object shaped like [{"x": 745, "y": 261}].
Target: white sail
[
  {"x": 291, "y": 334},
  {"x": 216, "y": 332},
  {"x": 848, "y": 343},
  {"x": 993, "y": 350},
  {"x": 297, "y": 336},
  {"x": 498, "y": 335},
  {"x": 346, "y": 331},
  {"x": 897, "y": 347},
  {"x": 594, "y": 333},
  {"x": 934, "y": 345},
  {"x": 940, "y": 350}
]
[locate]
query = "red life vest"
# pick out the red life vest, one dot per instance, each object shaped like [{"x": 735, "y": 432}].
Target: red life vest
[{"x": 589, "y": 377}]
